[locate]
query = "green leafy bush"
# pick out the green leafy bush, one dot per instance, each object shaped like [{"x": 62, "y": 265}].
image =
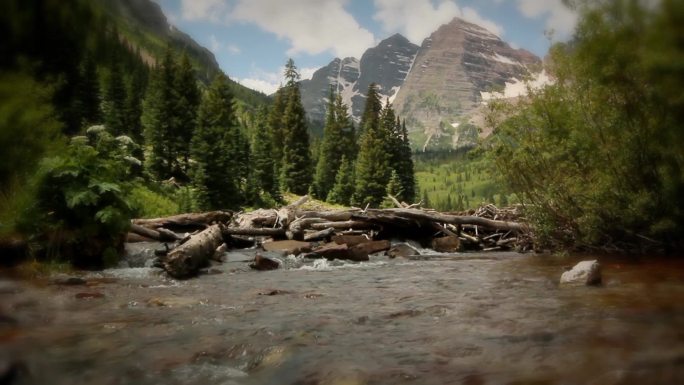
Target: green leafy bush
[
  {"x": 598, "y": 155},
  {"x": 81, "y": 214}
]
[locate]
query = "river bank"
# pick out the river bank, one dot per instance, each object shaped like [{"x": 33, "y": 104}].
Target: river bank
[{"x": 454, "y": 318}]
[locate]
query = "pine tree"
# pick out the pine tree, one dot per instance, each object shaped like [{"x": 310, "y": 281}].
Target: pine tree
[
  {"x": 343, "y": 189},
  {"x": 331, "y": 151},
  {"x": 263, "y": 164},
  {"x": 159, "y": 119},
  {"x": 133, "y": 107},
  {"x": 115, "y": 101},
  {"x": 275, "y": 127},
  {"x": 348, "y": 142},
  {"x": 188, "y": 101},
  {"x": 296, "y": 165},
  {"x": 214, "y": 148},
  {"x": 394, "y": 187},
  {"x": 371, "y": 111},
  {"x": 88, "y": 93},
  {"x": 404, "y": 163},
  {"x": 373, "y": 162}
]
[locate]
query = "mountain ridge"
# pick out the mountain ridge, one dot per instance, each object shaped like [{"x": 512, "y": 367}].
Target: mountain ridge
[{"x": 434, "y": 86}]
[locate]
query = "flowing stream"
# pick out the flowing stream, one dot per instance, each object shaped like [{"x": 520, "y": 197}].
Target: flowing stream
[{"x": 469, "y": 319}]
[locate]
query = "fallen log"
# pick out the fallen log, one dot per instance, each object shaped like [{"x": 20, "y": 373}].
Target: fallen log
[
  {"x": 345, "y": 225},
  {"x": 255, "y": 231},
  {"x": 187, "y": 259},
  {"x": 190, "y": 220},
  {"x": 454, "y": 219},
  {"x": 318, "y": 235}
]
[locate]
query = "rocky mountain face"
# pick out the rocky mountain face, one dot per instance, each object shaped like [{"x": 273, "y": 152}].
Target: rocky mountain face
[
  {"x": 387, "y": 65},
  {"x": 435, "y": 87}
]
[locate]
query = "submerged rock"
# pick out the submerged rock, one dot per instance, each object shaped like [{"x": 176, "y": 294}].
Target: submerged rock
[
  {"x": 263, "y": 263},
  {"x": 448, "y": 244},
  {"x": 584, "y": 273},
  {"x": 402, "y": 250}
]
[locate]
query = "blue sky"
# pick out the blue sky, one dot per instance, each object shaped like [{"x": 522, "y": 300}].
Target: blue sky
[{"x": 252, "y": 39}]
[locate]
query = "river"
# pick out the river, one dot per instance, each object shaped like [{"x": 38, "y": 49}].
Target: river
[{"x": 470, "y": 319}]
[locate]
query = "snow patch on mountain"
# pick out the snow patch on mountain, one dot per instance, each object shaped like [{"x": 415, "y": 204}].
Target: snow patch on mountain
[{"x": 518, "y": 88}]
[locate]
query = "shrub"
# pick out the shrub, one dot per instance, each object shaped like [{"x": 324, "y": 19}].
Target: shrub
[{"x": 81, "y": 214}]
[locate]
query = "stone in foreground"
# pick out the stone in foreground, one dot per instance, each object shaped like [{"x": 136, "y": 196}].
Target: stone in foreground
[
  {"x": 263, "y": 263},
  {"x": 584, "y": 273}
]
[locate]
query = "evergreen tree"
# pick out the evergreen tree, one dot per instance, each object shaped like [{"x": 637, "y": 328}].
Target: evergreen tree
[
  {"x": 188, "y": 101},
  {"x": 394, "y": 187},
  {"x": 373, "y": 161},
  {"x": 404, "y": 163},
  {"x": 115, "y": 101},
  {"x": 159, "y": 119},
  {"x": 275, "y": 120},
  {"x": 296, "y": 165},
  {"x": 263, "y": 164},
  {"x": 331, "y": 151},
  {"x": 214, "y": 148},
  {"x": 133, "y": 106},
  {"x": 371, "y": 111},
  {"x": 88, "y": 93},
  {"x": 348, "y": 142},
  {"x": 343, "y": 189}
]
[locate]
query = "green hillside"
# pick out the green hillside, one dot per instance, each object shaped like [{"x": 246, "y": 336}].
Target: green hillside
[{"x": 145, "y": 28}]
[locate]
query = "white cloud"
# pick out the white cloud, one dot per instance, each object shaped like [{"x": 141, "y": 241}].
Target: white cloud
[
  {"x": 417, "y": 19},
  {"x": 310, "y": 26},
  {"x": 214, "y": 44},
  {"x": 197, "y": 10},
  {"x": 307, "y": 72},
  {"x": 559, "y": 18},
  {"x": 217, "y": 46},
  {"x": 260, "y": 85},
  {"x": 268, "y": 82}
]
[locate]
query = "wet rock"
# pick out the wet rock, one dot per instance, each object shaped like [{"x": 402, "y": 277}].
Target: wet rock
[
  {"x": 350, "y": 240},
  {"x": 583, "y": 273},
  {"x": 333, "y": 251},
  {"x": 69, "y": 281},
  {"x": 263, "y": 263},
  {"x": 402, "y": 250},
  {"x": 448, "y": 244},
  {"x": 274, "y": 292},
  {"x": 287, "y": 247},
  {"x": 361, "y": 251},
  {"x": 89, "y": 295},
  {"x": 138, "y": 254}
]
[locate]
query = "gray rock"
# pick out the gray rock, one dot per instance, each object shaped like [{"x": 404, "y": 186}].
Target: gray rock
[
  {"x": 402, "y": 250},
  {"x": 583, "y": 273}
]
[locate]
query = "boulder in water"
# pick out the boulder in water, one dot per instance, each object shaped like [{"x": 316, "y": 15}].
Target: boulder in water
[
  {"x": 584, "y": 273},
  {"x": 263, "y": 263},
  {"x": 402, "y": 250},
  {"x": 448, "y": 244}
]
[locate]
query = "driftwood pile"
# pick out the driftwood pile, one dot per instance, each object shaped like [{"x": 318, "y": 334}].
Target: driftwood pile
[{"x": 336, "y": 234}]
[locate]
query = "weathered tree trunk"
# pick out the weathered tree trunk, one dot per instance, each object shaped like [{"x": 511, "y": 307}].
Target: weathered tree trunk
[
  {"x": 191, "y": 220},
  {"x": 185, "y": 260},
  {"x": 453, "y": 219}
]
